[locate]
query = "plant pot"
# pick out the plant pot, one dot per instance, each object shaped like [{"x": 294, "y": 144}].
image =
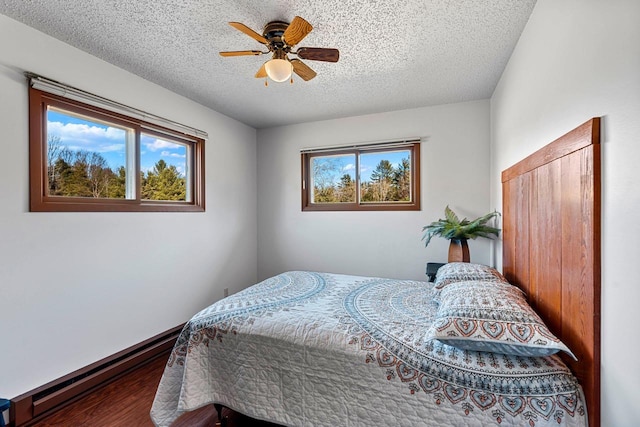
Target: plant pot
[{"x": 459, "y": 251}]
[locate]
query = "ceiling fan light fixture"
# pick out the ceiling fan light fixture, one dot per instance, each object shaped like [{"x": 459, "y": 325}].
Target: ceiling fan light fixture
[{"x": 279, "y": 70}]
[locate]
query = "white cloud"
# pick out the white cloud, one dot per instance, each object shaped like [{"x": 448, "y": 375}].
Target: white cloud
[
  {"x": 82, "y": 136},
  {"x": 348, "y": 167},
  {"x": 112, "y": 147},
  {"x": 169, "y": 154},
  {"x": 158, "y": 144}
]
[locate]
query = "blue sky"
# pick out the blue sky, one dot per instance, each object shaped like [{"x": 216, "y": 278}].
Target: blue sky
[
  {"x": 368, "y": 162},
  {"x": 79, "y": 134}
]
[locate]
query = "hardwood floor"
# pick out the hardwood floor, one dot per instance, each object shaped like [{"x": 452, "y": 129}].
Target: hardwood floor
[{"x": 125, "y": 402}]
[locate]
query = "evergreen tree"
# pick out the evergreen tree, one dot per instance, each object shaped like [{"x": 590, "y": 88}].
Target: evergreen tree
[
  {"x": 75, "y": 179},
  {"x": 118, "y": 184},
  {"x": 346, "y": 191},
  {"x": 383, "y": 171},
  {"x": 402, "y": 181},
  {"x": 380, "y": 187},
  {"x": 58, "y": 171},
  {"x": 164, "y": 182}
]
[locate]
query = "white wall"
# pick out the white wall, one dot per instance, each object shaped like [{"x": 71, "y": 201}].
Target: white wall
[
  {"x": 76, "y": 287},
  {"x": 455, "y": 171},
  {"x": 575, "y": 60}
]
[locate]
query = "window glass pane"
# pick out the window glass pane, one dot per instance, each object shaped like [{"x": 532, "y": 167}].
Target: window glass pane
[
  {"x": 385, "y": 176},
  {"x": 333, "y": 179},
  {"x": 164, "y": 169},
  {"x": 85, "y": 157}
]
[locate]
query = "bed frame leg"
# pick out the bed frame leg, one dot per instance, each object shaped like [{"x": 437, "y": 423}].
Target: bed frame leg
[{"x": 219, "y": 422}]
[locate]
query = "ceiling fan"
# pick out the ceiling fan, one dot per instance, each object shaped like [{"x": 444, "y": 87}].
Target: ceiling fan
[{"x": 280, "y": 38}]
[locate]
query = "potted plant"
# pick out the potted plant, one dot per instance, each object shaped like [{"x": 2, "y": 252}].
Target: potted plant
[{"x": 459, "y": 231}]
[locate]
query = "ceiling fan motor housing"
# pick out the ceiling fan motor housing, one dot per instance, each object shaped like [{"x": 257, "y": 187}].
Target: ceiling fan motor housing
[{"x": 273, "y": 32}]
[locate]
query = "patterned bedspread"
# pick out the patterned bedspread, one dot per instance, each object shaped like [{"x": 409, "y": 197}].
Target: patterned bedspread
[{"x": 319, "y": 349}]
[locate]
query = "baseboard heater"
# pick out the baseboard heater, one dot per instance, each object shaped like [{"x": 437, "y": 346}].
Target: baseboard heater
[{"x": 35, "y": 405}]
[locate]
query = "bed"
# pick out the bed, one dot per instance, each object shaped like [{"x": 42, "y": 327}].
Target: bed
[{"x": 321, "y": 349}]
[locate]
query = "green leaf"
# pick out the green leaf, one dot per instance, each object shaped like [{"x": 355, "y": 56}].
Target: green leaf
[
  {"x": 452, "y": 228},
  {"x": 451, "y": 216}
]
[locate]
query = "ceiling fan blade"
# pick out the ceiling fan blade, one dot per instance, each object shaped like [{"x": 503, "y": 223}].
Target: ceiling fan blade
[
  {"x": 248, "y": 31},
  {"x": 262, "y": 72},
  {"x": 302, "y": 69},
  {"x": 318, "y": 54},
  {"x": 296, "y": 31},
  {"x": 241, "y": 53}
]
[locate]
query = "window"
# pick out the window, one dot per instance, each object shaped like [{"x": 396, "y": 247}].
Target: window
[
  {"x": 372, "y": 177},
  {"x": 86, "y": 158}
]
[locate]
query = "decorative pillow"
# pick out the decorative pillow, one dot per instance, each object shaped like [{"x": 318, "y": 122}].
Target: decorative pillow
[
  {"x": 492, "y": 316},
  {"x": 464, "y": 271}
]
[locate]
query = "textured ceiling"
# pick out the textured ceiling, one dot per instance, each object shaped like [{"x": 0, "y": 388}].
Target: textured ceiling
[{"x": 393, "y": 55}]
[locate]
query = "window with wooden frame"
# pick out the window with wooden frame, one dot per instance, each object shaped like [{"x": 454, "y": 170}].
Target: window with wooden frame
[
  {"x": 84, "y": 158},
  {"x": 372, "y": 177}
]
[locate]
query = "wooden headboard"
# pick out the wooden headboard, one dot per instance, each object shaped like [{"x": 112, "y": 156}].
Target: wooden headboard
[{"x": 551, "y": 245}]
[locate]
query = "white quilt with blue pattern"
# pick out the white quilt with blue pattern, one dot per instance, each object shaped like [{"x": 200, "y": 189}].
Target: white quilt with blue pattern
[{"x": 319, "y": 349}]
